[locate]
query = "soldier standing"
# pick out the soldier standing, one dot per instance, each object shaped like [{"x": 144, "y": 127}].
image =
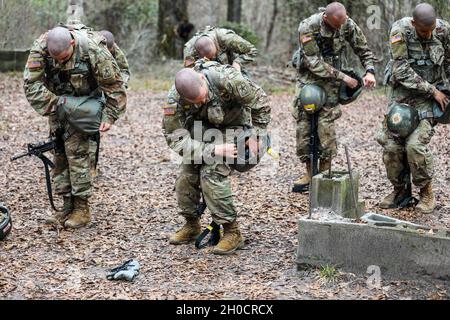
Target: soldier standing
[
  {"x": 220, "y": 98},
  {"x": 323, "y": 39},
  {"x": 64, "y": 63},
  {"x": 417, "y": 73}
]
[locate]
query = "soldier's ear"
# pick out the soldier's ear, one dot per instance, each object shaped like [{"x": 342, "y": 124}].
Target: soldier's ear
[{"x": 72, "y": 42}]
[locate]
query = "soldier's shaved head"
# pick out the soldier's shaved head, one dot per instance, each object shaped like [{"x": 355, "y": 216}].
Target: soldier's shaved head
[
  {"x": 335, "y": 15},
  {"x": 425, "y": 15},
  {"x": 206, "y": 47},
  {"x": 59, "y": 41},
  {"x": 109, "y": 38},
  {"x": 335, "y": 9},
  {"x": 190, "y": 85}
]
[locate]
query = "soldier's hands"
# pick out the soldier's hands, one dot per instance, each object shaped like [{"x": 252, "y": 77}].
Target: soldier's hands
[
  {"x": 369, "y": 81},
  {"x": 441, "y": 98},
  {"x": 226, "y": 150},
  {"x": 254, "y": 145},
  {"x": 349, "y": 81},
  {"x": 237, "y": 66},
  {"x": 105, "y": 127}
]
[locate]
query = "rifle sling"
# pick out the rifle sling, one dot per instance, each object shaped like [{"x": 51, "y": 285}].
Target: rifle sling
[{"x": 48, "y": 163}]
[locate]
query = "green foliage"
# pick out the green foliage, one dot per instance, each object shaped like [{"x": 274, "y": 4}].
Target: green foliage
[
  {"x": 329, "y": 273},
  {"x": 243, "y": 30}
]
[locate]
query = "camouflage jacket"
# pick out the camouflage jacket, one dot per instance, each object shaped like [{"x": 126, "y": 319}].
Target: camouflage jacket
[
  {"x": 323, "y": 49},
  {"x": 231, "y": 47},
  {"x": 238, "y": 101},
  {"x": 417, "y": 65},
  {"x": 90, "y": 70},
  {"x": 122, "y": 62}
]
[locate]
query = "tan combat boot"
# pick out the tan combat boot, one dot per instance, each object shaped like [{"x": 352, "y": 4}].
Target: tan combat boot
[
  {"x": 390, "y": 201},
  {"x": 231, "y": 241},
  {"x": 324, "y": 165},
  {"x": 80, "y": 216},
  {"x": 427, "y": 202},
  {"x": 188, "y": 233},
  {"x": 302, "y": 184},
  {"x": 60, "y": 217}
]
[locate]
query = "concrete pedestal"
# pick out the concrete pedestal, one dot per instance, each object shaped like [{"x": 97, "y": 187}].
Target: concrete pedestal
[{"x": 335, "y": 193}]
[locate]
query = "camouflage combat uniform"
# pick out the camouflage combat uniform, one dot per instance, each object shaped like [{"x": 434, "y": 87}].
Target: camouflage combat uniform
[
  {"x": 230, "y": 47},
  {"x": 244, "y": 104},
  {"x": 122, "y": 62},
  {"x": 417, "y": 66},
  {"x": 323, "y": 56},
  {"x": 90, "y": 71}
]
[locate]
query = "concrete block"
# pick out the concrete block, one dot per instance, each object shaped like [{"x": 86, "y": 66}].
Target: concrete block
[
  {"x": 401, "y": 251},
  {"x": 335, "y": 193}
]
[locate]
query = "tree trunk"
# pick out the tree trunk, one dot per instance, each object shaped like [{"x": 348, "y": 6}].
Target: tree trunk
[
  {"x": 75, "y": 11},
  {"x": 272, "y": 24},
  {"x": 234, "y": 11},
  {"x": 170, "y": 15}
]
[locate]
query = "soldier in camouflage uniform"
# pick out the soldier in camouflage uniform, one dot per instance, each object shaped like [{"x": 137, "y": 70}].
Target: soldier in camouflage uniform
[
  {"x": 70, "y": 61},
  {"x": 221, "y": 45},
  {"x": 122, "y": 62},
  {"x": 220, "y": 98},
  {"x": 420, "y": 63},
  {"x": 118, "y": 54},
  {"x": 323, "y": 39}
]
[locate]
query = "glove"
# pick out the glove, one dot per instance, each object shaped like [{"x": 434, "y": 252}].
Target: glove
[{"x": 128, "y": 271}]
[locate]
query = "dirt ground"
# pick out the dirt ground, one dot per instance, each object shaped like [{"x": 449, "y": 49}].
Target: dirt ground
[{"x": 135, "y": 211}]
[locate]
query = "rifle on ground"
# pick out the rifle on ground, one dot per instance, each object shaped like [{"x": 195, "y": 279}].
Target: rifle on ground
[{"x": 38, "y": 150}]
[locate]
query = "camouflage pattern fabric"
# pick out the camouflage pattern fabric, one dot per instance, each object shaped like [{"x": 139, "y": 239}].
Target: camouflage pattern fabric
[
  {"x": 323, "y": 57},
  {"x": 231, "y": 47},
  {"x": 417, "y": 66},
  {"x": 243, "y": 104},
  {"x": 91, "y": 70}
]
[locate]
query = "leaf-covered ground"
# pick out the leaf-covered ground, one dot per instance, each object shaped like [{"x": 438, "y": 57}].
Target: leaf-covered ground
[{"x": 134, "y": 211}]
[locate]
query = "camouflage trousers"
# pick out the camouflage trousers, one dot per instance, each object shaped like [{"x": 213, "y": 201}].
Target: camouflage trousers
[
  {"x": 413, "y": 150},
  {"x": 71, "y": 174},
  {"x": 92, "y": 153},
  {"x": 213, "y": 180}
]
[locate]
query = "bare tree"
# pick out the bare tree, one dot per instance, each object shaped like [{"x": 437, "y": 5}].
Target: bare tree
[
  {"x": 75, "y": 11},
  {"x": 170, "y": 15},
  {"x": 234, "y": 11},
  {"x": 272, "y": 24}
]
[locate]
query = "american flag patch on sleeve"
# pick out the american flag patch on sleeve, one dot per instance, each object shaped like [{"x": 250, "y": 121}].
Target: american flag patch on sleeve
[
  {"x": 396, "y": 38},
  {"x": 33, "y": 64},
  {"x": 306, "y": 39},
  {"x": 169, "y": 110}
]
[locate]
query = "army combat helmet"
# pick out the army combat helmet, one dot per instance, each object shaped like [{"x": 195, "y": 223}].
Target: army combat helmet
[
  {"x": 439, "y": 115},
  {"x": 5, "y": 222},
  {"x": 348, "y": 95},
  {"x": 402, "y": 120},
  {"x": 312, "y": 98},
  {"x": 245, "y": 159},
  {"x": 84, "y": 113}
]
